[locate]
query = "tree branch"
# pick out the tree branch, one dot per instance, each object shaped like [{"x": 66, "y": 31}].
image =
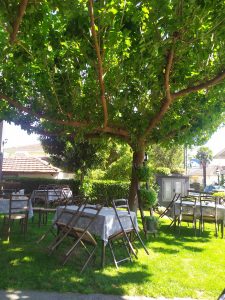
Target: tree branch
[
  {"x": 16, "y": 24},
  {"x": 100, "y": 67},
  {"x": 217, "y": 79},
  {"x": 167, "y": 100},
  {"x": 119, "y": 132}
]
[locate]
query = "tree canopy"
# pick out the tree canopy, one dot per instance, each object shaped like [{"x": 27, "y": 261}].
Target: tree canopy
[{"x": 141, "y": 71}]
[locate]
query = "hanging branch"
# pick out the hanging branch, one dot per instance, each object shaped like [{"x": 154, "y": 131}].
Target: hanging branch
[
  {"x": 206, "y": 84},
  {"x": 118, "y": 132},
  {"x": 171, "y": 97},
  {"x": 100, "y": 66},
  {"x": 17, "y": 22}
]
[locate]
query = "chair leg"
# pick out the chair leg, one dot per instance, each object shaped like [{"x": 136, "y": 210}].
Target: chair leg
[{"x": 113, "y": 255}]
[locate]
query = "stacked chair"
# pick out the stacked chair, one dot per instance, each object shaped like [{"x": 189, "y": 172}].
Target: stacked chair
[
  {"x": 45, "y": 200},
  {"x": 80, "y": 235},
  {"x": 76, "y": 227},
  {"x": 126, "y": 236}
]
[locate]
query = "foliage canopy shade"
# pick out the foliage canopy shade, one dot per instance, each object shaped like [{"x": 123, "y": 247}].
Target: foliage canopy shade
[{"x": 141, "y": 71}]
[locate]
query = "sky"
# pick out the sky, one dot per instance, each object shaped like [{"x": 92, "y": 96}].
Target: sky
[{"x": 17, "y": 137}]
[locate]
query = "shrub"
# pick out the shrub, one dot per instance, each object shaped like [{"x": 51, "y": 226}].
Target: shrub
[
  {"x": 106, "y": 190},
  {"x": 148, "y": 196},
  {"x": 162, "y": 171},
  {"x": 219, "y": 194},
  {"x": 180, "y": 171},
  {"x": 152, "y": 223},
  {"x": 143, "y": 173}
]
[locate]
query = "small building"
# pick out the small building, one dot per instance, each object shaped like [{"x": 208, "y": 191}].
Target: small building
[
  {"x": 169, "y": 185},
  {"x": 28, "y": 167}
]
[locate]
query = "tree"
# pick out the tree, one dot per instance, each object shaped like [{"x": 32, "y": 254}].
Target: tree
[
  {"x": 142, "y": 72},
  {"x": 71, "y": 156},
  {"x": 204, "y": 155}
]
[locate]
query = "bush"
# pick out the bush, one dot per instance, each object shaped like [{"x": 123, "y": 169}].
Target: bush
[
  {"x": 180, "y": 171},
  {"x": 148, "y": 197},
  {"x": 105, "y": 190},
  {"x": 143, "y": 173},
  {"x": 162, "y": 171},
  {"x": 151, "y": 223}
]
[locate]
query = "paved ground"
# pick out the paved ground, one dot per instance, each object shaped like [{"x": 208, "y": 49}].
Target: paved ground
[{"x": 32, "y": 295}]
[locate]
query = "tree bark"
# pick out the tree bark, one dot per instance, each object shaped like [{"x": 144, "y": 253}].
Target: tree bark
[{"x": 138, "y": 157}]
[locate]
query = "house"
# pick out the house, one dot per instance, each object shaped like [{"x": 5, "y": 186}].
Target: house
[
  {"x": 213, "y": 171},
  {"x": 30, "y": 161},
  {"x": 28, "y": 167}
]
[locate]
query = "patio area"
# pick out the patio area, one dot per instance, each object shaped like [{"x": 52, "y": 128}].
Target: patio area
[{"x": 179, "y": 265}]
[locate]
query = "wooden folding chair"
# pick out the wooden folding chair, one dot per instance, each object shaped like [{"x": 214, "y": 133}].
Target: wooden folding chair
[
  {"x": 18, "y": 210},
  {"x": 77, "y": 228},
  {"x": 123, "y": 214},
  {"x": 187, "y": 211},
  {"x": 208, "y": 212},
  {"x": 52, "y": 229}
]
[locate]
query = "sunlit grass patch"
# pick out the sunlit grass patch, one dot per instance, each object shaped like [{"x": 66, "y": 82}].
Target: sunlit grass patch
[{"x": 179, "y": 265}]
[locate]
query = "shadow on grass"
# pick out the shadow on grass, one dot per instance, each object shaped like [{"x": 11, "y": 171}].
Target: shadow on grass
[
  {"x": 25, "y": 265},
  {"x": 171, "y": 241}
]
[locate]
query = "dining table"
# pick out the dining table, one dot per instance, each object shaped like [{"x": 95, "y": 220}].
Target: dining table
[
  {"x": 209, "y": 206},
  {"x": 105, "y": 225}
]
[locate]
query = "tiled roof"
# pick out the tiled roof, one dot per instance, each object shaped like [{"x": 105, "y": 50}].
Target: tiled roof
[{"x": 27, "y": 165}]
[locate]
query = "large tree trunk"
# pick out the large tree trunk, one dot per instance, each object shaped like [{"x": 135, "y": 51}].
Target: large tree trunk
[{"x": 138, "y": 157}]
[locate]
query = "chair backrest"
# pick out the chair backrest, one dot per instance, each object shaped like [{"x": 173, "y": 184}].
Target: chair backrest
[
  {"x": 86, "y": 217},
  {"x": 6, "y": 193},
  {"x": 188, "y": 205},
  {"x": 208, "y": 207},
  {"x": 77, "y": 222},
  {"x": 122, "y": 210},
  {"x": 18, "y": 204},
  {"x": 40, "y": 198}
]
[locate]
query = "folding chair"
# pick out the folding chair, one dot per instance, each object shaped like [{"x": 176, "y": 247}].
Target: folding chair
[
  {"x": 208, "y": 212},
  {"x": 79, "y": 201},
  {"x": 170, "y": 206},
  {"x": 123, "y": 215},
  {"x": 18, "y": 210},
  {"x": 187, "y": 211},
  {"x": 78, "y": 228}
]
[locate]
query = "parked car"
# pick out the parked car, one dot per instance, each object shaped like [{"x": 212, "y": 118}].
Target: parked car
[{"x": 214, "y": 188}]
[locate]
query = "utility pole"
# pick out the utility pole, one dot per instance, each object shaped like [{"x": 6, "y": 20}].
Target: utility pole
[{"x": 1, "y": 150}]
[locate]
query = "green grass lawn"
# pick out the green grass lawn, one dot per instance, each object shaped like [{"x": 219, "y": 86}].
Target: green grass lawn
[{"x": 178, "y": 266}]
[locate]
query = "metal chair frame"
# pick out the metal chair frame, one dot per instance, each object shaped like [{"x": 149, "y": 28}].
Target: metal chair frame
[
  {"x": 187, "y": 211},
  {"x": 121, "y": 205},
  {"x": 205, "y": 213},
  {"x": 66, "y": 203},
  {"x": 81, "y": 235}
]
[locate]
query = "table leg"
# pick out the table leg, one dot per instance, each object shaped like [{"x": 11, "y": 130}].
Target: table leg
[{"x": 103, "y": 255}]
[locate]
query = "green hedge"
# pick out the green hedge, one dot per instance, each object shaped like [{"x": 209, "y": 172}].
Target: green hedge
[
  {"x": 30, "y": 184},
  {"x": 106, "y": 190},
  {"x": 98, "y": 190}
]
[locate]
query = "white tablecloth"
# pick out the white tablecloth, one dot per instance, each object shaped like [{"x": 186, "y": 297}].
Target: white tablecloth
[
  {"x": 106, "y": 223},
  {"x": 4, "y": 206},
  {"x": 210, "y": 207}
]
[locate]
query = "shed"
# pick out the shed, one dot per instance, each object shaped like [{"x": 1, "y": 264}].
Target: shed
[{"x": 169, "y": 185}]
